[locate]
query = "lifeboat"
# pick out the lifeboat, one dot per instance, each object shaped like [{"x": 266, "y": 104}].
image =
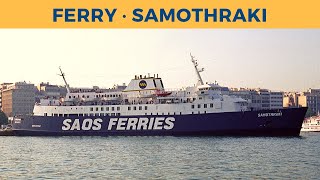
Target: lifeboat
[{"x": 162, "y": 93}]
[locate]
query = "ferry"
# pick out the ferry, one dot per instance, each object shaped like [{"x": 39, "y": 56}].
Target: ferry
[
  {"x": 311, "y": 124},
  {"x": 145, "y": 108}
]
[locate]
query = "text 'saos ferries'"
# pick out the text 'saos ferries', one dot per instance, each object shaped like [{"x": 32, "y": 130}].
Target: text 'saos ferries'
[{"x": 145, "y": 108}]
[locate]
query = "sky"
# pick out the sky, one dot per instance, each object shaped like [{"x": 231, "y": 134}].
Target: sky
[{"x": 277, "y": 59}]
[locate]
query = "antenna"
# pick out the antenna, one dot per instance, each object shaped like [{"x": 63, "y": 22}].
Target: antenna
[
  {"x": 198, "y": 70},
  {"x": 64, "y": 79}
]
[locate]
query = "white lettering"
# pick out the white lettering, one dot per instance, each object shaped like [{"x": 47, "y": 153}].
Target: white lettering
[
  {"x": 97, "y": 124},
  {"x": 158, "y": 123},
  {"x": 169, "y": 123},
  {"x": 66, "y": 125},
  {"x": 122, "y": 124},
  {"x": 143, "y": 123},
  {"x": 75, "y": 125},
  {"x": 112, "y": 122},
  {"x": 150, "y": 123},
  {"x": 269, "y": 114},
  {"x": 86, "y": 124},
  {"x": 132, "y": 123}
]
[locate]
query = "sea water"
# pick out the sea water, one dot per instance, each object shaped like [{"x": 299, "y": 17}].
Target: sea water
[{"x": 160, "y": 157}]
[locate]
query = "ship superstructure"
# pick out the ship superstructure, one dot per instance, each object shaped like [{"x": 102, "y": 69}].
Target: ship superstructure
[{"x": 144, "y": 95}]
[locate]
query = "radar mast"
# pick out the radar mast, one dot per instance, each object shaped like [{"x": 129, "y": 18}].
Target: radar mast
[
  {"x": 64, "y": 79},
  {"x": 198, "y": 70}
]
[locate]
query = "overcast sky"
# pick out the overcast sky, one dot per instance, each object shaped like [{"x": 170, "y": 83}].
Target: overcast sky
[{"x": 274, "y": 59}]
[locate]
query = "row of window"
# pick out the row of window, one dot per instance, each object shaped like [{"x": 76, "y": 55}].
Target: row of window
[
  {"x": 276, "y": 97},
  {"x": 118, "y": 108},
  {"x": 134, "y": 108},
  {"x": 116, "y": 114},
  {"x": 204, "y": 106},
  {"x": 107, "y": 108},
  {"x": 109, "y": 95},
  {"x": 81, "y": 115}
]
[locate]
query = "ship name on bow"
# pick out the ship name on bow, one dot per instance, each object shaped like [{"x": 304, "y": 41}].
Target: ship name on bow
[{"x": 269, "y": 114}]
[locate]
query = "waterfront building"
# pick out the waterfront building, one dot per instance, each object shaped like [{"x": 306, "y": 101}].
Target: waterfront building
[
  {"x": 310, "y": 99},
  {"x": 18, "y": 98},
  {"x": 276, "y": 99},
  {"x": 2, "y": 86},
  {"x": 259, "y": 98},
  {"x": 251, "y": 95},
  {"x": 49, "y": 90},
  {"x": 290, "y": 99}
]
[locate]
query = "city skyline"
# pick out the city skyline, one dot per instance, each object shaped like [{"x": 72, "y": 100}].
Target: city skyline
[{"x": 285, "y": 60}]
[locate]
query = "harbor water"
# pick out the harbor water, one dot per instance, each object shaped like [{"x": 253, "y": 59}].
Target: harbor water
[{"x": 160, "y": 157}]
